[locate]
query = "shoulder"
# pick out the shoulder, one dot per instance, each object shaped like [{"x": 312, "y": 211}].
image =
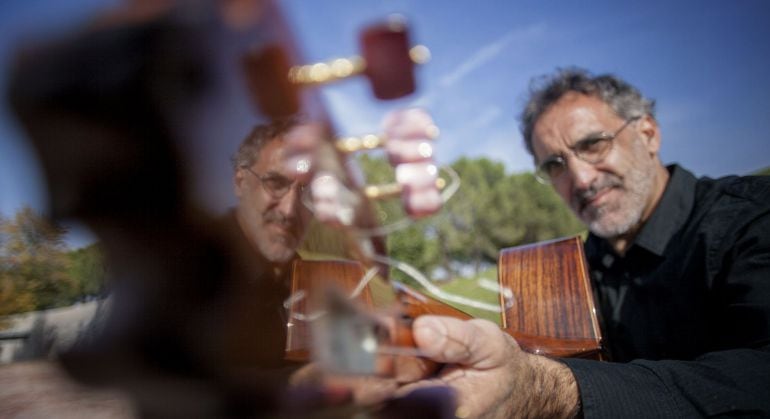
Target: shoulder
[
  {"x": 732, "y": 197},
  {"x": 731, "y": 213},
  {"x": 750, "y": 190}
]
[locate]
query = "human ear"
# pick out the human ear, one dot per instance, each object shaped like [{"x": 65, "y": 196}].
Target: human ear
[
  {"x": 650, "y": 133},
  {"x": 239, "y": 181}
]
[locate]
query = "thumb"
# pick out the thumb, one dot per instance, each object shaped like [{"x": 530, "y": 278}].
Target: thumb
[{"x": 476, "y": 343}]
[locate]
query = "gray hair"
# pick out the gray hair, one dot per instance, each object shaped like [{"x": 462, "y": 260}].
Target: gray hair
[
  {"x": 260, "y": 135},
  {"x": 546, "y": 90}
]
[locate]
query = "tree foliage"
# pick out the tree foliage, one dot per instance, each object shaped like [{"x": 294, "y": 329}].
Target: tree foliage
[
  {"x": 409, "y": 244},
  {"x": 491, "y": 210},
  {"x": 37, "y": 270},
  {"x": 86, "y": 266}
]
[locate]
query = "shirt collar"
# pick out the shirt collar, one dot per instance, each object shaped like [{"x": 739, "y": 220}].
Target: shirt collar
[
  {"x": 669, "y": 216},
  {"x": 671, "y": 213}
]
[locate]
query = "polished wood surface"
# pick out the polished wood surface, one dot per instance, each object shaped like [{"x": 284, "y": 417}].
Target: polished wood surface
[
  {"x": 313, "y": 276},
  {"x": 414, "y": 304},
  {"x": 310, "y": 277},
  {"x": 552, "y": 310}
]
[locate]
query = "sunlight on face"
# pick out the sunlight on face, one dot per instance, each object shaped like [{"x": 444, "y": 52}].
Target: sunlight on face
[
  {"x": 610, "y": 196},
  {"x": 276, "y": 226}
]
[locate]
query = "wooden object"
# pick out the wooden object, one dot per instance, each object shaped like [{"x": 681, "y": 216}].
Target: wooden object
[
  {"x": 310, "y": 276},
  {"x": 130, "y": 152},
  {"x": 387, "y": 61},
  {"x": 552, "y": 311},
  {"x": 414, "y": 304}
]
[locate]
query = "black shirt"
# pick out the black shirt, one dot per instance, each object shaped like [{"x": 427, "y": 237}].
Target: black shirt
[
  {"x": 250, "y": 314},
  {"x": 687, "y": 307}
]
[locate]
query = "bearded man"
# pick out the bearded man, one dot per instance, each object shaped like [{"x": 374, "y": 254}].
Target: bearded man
[{"x": 680, "y": 268}]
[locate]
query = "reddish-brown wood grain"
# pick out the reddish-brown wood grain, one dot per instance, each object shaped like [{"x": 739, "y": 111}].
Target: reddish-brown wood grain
[{"x": 551, "y": 311}]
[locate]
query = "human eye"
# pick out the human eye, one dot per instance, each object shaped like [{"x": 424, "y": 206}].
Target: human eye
[
  {"x": 277, "y": 183},
  {"x": 593, "y": 146},
  {"x": 552, "y": 166}
]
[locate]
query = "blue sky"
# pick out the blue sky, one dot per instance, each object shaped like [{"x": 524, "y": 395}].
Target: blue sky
[{"x": 706, "y": 62}]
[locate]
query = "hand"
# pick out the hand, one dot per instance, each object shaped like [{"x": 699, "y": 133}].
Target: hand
[
  {"x": 367, "y": 390},
  {"x": 490, "y": 374}
]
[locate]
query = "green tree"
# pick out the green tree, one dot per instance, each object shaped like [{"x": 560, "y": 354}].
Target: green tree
[
  {"x": 471, "y": 227},
  {"x": 491, "y": 210},
  {"x": 414, "y": 242},
  {"x": 86, "y": 268},
  {"x": 35, "y": 267},
  {"x": 540, "y": 212}
]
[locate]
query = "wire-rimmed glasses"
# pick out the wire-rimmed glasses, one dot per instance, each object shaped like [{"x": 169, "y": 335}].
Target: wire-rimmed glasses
[{"x": 591, "y": 150}]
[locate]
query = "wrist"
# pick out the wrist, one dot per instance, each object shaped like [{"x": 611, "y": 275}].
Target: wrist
[{"x": 555, "y": 387}]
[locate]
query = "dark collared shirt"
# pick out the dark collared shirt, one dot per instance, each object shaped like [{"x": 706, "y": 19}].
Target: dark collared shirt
[
  {"x": 687, "y": 308},
  {"x": 253, "y": 316}
]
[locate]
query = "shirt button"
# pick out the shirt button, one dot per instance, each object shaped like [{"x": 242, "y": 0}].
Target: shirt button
[{"x": 607, "y": 260}]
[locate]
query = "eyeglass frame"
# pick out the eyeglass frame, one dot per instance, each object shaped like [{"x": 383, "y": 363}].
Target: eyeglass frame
[
  {"x": 303, "y": 188},
  {"x": 541, "y": 174}
]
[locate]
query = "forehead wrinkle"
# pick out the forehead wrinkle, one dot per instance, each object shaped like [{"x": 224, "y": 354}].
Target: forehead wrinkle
[{"x": 572, "y": 118}]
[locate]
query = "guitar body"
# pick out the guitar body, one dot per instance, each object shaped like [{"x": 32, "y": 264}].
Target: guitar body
[
  {"x": 308, "y": 279},
  {"x": 312, "y": 278},
  {"x": 552, "y": 311}
]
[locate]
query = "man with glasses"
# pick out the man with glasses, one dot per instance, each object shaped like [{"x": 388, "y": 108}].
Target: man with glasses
[
  {"x": 270, "y": 209},
  {"x": 264, "y": 229},
  {"x": 680, "y": 268}
]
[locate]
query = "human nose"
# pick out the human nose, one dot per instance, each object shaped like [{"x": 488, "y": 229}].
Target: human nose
[
  {"x": 582, "y": 173},
  {"x": 288, "y": 203}
]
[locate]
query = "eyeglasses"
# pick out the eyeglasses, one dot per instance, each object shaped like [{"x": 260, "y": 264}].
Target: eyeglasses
[
  {"x": 278, "y": 186},
  {"x": 591, "y": 150}
]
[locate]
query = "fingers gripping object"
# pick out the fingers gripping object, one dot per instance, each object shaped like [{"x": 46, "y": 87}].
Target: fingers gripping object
[
  {"x": 407, "y": 138},
  {"x": 420, "y": 194},
  {"x": 410, "y": 149},
  {"x": 332, "y": 202}
]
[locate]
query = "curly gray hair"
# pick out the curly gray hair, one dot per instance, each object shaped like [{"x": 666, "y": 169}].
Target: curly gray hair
[
  {"x": 248, "y": 151},
  {"x": 546, "y": 90}
]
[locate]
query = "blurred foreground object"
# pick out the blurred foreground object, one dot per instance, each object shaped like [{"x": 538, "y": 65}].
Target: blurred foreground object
[{"x": 117, "y": 113}]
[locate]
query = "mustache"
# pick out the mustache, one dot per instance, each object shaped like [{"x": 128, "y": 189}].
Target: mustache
[
  {"x": 289, "y": 223},
  {"x": 277, "y": 217},
  {"x": 582, "y": 196}
]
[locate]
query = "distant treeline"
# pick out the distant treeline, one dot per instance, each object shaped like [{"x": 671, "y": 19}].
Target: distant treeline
[
  {"x": 38, "y": 271},
  {"x": 491, "y": 210}
]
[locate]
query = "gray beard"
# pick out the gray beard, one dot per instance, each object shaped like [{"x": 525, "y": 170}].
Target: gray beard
[{"x": 618, "y": 218}]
